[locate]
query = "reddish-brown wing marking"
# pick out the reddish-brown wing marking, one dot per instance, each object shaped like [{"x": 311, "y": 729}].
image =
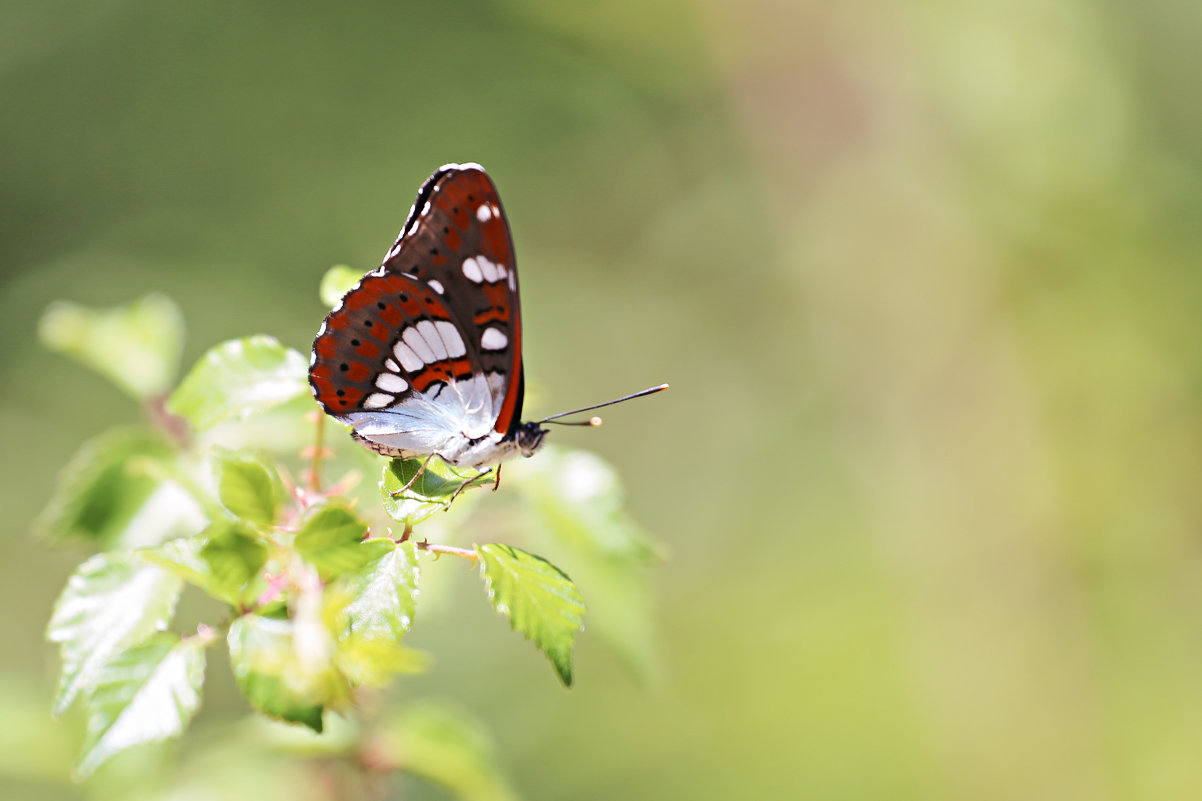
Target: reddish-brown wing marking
[{"x": 358, "y": 345}]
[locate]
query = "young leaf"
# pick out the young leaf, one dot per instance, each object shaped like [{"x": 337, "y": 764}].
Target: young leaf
[
  {"x": 144, "y": 694},
  {"x": 107, "y": 496},
  {"x": 447, "y": 748},
  {"x": 430, "y": 492},
  {"x": 248, "y": 487},
  {"x": 221, "y": 562},
  {"x": 277, "y": 676},
  {"x": 539, "y": 599},
  {"x": 137, "y": 347},
  {"x": 384, "y": 594},
  {"x": 337, "y": 281},
  {"x": 113, "y": 601},
  {"x": 237, "y": 379},
  {"x": 332, "y": 541}
]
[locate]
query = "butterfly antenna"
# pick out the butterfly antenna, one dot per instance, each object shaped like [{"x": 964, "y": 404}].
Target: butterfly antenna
[{"x": 596, "y": 421}]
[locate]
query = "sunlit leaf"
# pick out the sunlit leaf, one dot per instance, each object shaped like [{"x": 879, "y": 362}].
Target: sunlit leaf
[
  {"x": 113, "y": 601},
  {"x": 431, "y": 491},
  {"x": 248, "y": 487},
  {"x": 111, "y": 494},
  {"x": 446, "y": 747},
  {"x": 137, "y": 347},
  {"x": 221, "y": 562},
  {"x": 146, "y": 693},
  {"x": 384, "y": 594},
  {"x": 279, "y": 674},
  {"x": 539, "y": 599},
  {"x": 239, "y": 378},
  {"x": 337, "y": 281},
  {"x": 331, "y": 540}
]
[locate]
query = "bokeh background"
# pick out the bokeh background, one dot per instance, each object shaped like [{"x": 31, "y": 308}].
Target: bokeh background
[{"x": 924, "y": 278}]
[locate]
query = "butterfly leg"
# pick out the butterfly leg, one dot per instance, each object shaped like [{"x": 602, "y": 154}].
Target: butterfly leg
[
  {"x": 465, "y": 485},
  {"x": 409, "y": 483},
  {"x": 496, "y": 485}
]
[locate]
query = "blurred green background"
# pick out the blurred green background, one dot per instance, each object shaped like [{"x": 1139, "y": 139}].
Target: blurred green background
[{"x": 924, "y": 279}]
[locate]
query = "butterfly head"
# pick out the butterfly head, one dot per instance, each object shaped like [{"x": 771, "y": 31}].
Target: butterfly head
[{"x": 530, "y": 438}]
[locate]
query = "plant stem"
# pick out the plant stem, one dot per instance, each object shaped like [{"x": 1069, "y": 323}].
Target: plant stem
[{"x": 434, "y": 548}]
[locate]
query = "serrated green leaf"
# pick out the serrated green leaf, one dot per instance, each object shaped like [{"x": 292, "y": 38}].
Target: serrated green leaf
[
  {"x": 539, "y": 599},
  {"x": 332, "y": 541},
  {"x": 237, "y": 379},
  {"x": 137, "y": 347},
  {"x": 432, "y": 491},
  {"x": 448, "y": 748},
  {"x": 248, "y": 487},
  {"x": 144, "y": 694},
  {"x": 384, "y": 594},
  {"x": 337, "y": 281},
  {"x": 281, "y": 673},
  {"x": 109, "y": 495},
  {"x": 221, "y": 562},
  {"x": 113, "y": 601}
]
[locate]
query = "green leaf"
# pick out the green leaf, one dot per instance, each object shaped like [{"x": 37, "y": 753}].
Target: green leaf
[
  {"x": 221, "y": 562},
  {"x": 337, "y": 281},
  {"x": 137, "y": 347},
  {"x": 237, "y": 379},
  {"x": 447, "y": 748},
  {"x": 112, "y": 493},
  {"x": 430, "y": 492},
  {"x": 248, "y": 487},
  {"x": 384, "y": 594},
  {"x": 113, "y": 601},
  {"x": 332, "y": 541},
  {"x": 147, "y": 693},
  {"x": 284, "y": 670},
  {"x": 539, "y": 599}
]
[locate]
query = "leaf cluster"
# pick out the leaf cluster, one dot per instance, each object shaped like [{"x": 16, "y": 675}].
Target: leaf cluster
[{"x": 318, "y": 583}]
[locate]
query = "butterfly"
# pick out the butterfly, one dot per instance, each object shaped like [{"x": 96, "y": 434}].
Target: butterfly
[{"x": 423, "y": 357}]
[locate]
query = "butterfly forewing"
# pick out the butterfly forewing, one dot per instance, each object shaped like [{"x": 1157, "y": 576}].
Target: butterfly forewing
[{"x": 427, "y": 348}]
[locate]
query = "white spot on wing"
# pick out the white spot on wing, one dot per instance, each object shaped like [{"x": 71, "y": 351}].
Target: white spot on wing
[
  {"x": 471, "y": 270},
  {"x": 484, "y": 213},
  {"x": 437, "y": 287},
  {"x": 451, "y": 338},
  {"x": 409, "y": 360},
  {"x": 513, "y": 282},
  {"x": 377, "y": 400},
  {"x": 493, "y": 339},
  {"x": 391, "y": 383},
  {"x": 391, "y": 365},
  {"x": 413, "y": 338},
  {"x": 430, "y": 334}
]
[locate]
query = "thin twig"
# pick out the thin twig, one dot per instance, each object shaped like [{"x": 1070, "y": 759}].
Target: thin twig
[{"x": 434, "y": 548}]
